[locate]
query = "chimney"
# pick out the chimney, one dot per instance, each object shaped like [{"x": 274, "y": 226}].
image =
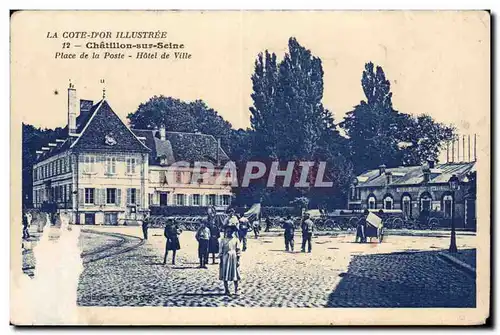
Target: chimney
[
  {"x": 72, "y": 109},
  {"x": 388, "y": 176},
  {"x": 381, "y": 169},
  {"x": 163, "y": 132},
  {"x": 426, "y": 170}
]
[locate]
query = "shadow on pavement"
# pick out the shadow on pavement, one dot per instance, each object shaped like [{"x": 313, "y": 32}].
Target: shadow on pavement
[{"x": 403, "y": 279}]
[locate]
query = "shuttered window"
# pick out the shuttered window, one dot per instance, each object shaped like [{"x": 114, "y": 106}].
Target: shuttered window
[
  {"x": 110, "y": 165},
  {"x": 89, "y": 195},
  {"x": 196, "y": 200},
  {"x": 131, "y": 196},
  {"x": 89, "y": 164},
  {"x": 131, "y": 165},
  {"x": 111, "y": 195}
]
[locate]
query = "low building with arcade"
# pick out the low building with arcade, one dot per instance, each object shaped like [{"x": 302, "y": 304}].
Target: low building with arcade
[{"x": 417, "y": 190}]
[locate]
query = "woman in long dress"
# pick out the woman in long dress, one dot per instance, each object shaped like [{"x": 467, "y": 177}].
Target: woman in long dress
[{"x": 229, "y": 254}]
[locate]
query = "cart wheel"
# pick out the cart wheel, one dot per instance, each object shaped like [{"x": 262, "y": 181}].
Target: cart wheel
[
  {"x": 352, "y": 222},
  {"x": 397, "y": 223},
  {"x": 433, "y": 223}
]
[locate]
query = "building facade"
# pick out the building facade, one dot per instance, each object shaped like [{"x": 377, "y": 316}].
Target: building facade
[
  {"x": 419, "y": 189},
  {"x": 106, "y": 173}
]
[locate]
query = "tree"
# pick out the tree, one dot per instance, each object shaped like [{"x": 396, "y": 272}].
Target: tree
[
  {"x": 289, "y": 121},
  {"x": 377, "y": 131},
  {"x": 423, "y": 138},
  {"x": 264, "y": 118},
  {"x": 182, "y": 116},
  {"x": 372, "y": 125}
]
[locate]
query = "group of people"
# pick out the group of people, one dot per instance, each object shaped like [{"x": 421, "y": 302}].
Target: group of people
[
  {"x": 307, "y": 227},
  {"x": 228, "y": 247},
  {"x": 364, "y": 230},
  {"x": 208, "y": 236}
]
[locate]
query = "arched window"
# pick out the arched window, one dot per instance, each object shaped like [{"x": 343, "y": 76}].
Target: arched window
[
  {"x": 406, "y": 205},
  {"x": 447, "y": 205},
  {"x": 388, "y": 202},
  {"x": 372, "y": 202},
  {"x": 425, "y": 202}
]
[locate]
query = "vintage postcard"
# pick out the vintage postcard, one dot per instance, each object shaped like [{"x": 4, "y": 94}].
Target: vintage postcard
[{"x": 250, "y": 167}]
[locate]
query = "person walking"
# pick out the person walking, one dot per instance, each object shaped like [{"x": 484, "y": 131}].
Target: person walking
[
  {"x": 171, "y": 233},
  {"x": 26, "y": 224},
  {"x": 256, "y": 227},
  {"x": 243, "y": 231},
  {"x": 213, "y": 243},
  {"x": 229, "y": 255},
  {"x": 268, "y": 224},
  {"x": 289, "y": 233},
  {"x": 307, "y": 232},
  {"x": 203, "y": 237},
  {"x": 145, "y": 227},
  {"x": 361, "y": 228}
]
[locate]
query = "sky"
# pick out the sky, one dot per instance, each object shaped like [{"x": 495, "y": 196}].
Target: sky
[{"x": 438, "y": 63}]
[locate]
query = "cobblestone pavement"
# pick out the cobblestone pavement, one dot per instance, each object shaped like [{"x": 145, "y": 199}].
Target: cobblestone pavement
[
  {"x": 419, "y": 279},
  {"x": 338, "y": 273}
]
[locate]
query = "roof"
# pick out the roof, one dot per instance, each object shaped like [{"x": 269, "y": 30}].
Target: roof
[
  {"x": 105, "y": 131},
  {"x": 61, "y": 147},
  {"x": 85, "y": 114},
  {"x": 158, "y": 147},
  {"x": 179, "y": 146},
  {"x": 101, "y": 129},
  {"x": 414, "y": 175}
]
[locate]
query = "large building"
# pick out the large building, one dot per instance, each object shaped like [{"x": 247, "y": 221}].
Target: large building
[
  {"x": 416, "y": 189},
  {"x": 103, "y": 172}
]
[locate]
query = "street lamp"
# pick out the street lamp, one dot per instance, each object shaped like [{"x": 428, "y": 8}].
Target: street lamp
[{"x": 454, "y": 185}]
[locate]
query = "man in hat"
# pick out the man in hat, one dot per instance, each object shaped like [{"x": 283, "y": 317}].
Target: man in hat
[
  {"x": 243, "y": 228},
  {"x": 145, "y": 226},
  {"x": 361, "y": 227},
  {"x": 307, "y": 232},
  {"x": 289, "y": 232},
  {"x": 203, "y": 237}
]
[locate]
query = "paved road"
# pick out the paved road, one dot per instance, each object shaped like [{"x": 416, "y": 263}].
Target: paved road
[{"x": 338, "y": 273}]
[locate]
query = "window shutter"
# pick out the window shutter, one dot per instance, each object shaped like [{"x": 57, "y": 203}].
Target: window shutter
[
  {"x": 103, "y": 196},
  {"x": 189, "y": 199},
  {"x": 128, "y": 196},
  {"x": 118, "y": 198},
  {"x": 97, "y": 196},
  {"x": 81, "y": 196},
  {"x": 138, "y": 199}
]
